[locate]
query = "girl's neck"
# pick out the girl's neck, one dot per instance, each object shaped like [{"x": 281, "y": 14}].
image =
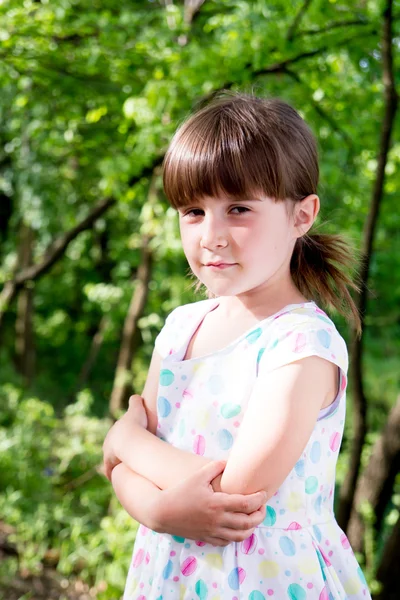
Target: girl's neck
[{"x": 260, "y": 306}]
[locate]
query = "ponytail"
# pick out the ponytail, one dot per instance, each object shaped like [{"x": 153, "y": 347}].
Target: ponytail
[{"x": 320, "y": 266}]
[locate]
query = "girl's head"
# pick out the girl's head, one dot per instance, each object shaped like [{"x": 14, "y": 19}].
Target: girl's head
[{"x": 239, "y": 147}]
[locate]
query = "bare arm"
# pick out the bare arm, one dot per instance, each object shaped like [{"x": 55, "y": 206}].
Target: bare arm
[
  {"x": 191, "y": 509},
  {"x": 147, "y": 455},
  {"x": 139, "y": 496},
  {"x": 194, "y": 508},
  {"x": 270, "y": 441},
  {"x": 140, "y": 449}
]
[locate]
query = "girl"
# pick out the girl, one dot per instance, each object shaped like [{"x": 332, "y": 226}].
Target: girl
[{"x": 254, "y": 377}]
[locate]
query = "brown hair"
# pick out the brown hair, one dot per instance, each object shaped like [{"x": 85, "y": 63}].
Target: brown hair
[{"x": 240, "y": 145}]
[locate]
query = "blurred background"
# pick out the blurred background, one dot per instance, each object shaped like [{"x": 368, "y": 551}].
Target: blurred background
[{"x": 91, "y": 264}]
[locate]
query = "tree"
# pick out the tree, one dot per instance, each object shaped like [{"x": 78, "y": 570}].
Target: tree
[{"x": 360, "y": 401}]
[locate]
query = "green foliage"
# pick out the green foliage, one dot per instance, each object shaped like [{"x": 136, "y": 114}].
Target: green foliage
[
  {"x": 53, "y": 496},
  {"x": 91, "y": 93}
]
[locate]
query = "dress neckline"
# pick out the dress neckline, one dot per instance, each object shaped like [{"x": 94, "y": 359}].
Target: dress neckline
[{"x": 212, "y": 304}]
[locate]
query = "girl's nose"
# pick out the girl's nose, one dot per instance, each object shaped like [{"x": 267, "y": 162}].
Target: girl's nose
[{"x": 214, "y": 234}]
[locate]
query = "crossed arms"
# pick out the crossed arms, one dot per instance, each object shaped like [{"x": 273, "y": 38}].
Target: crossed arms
[{"x": 181, "y": 493}]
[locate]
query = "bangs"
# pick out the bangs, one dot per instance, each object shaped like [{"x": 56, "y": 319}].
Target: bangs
[{"x": 223, "y": 151}]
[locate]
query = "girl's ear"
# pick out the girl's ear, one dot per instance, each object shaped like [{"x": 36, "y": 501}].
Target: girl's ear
[{"x": 305, "y": 213}]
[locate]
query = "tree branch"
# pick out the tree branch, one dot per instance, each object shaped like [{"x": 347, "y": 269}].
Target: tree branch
[
  {"x": 192, "y": 8},
  {"x": 280, "y": 67},
  {"x": 58, "y": 247},
  {"x": 54, "y": 251},
  {"x": 330, "y": 120},
  {"x": 292, "y": 29},
  {"x": 330, "y": 27}
]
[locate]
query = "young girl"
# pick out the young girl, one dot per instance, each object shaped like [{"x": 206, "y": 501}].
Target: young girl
[{"x": 229, "y": 460}]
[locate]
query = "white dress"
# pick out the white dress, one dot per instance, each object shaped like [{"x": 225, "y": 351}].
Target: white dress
[{"x": 298, "y": 552}]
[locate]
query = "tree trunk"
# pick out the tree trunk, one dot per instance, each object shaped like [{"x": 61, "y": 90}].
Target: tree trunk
[
  {"x": 24, "y": 340},
  {"x": 95, "y": 346},
  {"x": 6, "y": 202},
  {"x": 376, "y": 483},
  {"x": 359, "y": 399},
  {"x": 122, "y": 387},
  {"x": 192, "y": 7},
  {"x": 388, "y": 570},
  {"x": 103, "y": 266}
]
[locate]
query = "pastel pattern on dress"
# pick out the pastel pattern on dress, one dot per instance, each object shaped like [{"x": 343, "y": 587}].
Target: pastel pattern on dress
[{"x": 298, "y": 552}]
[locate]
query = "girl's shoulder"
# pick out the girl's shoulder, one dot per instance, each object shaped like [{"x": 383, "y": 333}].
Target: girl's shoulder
[
  {"x": 306, "y": 314},
  {"x": 303, "y": 330}
]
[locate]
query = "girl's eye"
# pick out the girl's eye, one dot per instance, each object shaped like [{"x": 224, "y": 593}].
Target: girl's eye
[
  {"x": 240, "y": 209},
  {"x": 194, "y": 212},
  {"x": 199, "y": 212}
]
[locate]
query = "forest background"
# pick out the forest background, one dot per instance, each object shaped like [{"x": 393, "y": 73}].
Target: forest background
[{"x": 91, "y": 264}]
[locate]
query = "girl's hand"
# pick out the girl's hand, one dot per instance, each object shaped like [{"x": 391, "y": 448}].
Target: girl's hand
[
  {"x": 110, "y": 457},
  {"x": 193, "y": 510},
  {"x": 137, "y": 411},
  {"x": 122, "y": 429}
]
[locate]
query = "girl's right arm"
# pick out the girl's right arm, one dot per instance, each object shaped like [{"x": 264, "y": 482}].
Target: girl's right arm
[
  {"x": 133, "y": 440},
  {"x": 191, "y": 509}
]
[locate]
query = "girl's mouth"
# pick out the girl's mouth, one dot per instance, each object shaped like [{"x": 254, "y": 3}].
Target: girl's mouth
[{"x": 220, "y": 265}]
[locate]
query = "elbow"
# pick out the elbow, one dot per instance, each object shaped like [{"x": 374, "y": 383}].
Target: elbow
[
  {"x": 154, "y": 517},
  {"x": 157, "y": 515},
  {"x": 232, "y": 484},
  {"x": 235, "y": 487}
]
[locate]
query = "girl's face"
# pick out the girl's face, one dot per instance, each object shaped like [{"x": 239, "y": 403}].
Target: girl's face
[{"x": 238, "y": 247}]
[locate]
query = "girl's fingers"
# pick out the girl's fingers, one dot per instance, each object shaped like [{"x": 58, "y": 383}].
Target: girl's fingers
[
  {"x": 232, "y": 535},
  {"x": 134, "y": 398},
  {"x": 240, "y": 522},
  {"x": 210, "y": 471},
  {"x": 227, "y": 536},
  {"x": 244, "y": 504},
  {"x": 217, "y": 541}
]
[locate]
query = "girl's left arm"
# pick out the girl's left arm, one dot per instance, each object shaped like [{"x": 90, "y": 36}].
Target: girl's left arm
[
  {"x": 277, "y": 425},
  {"x": 278, "y": 422}
]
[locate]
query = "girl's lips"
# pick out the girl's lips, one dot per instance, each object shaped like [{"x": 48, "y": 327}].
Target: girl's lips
[{"x": 220, "y": 265}]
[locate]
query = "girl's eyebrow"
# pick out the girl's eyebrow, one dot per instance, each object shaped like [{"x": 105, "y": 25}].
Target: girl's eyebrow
[
  {"x": 227, "y": 200},
  {"x": 244, "y": 200}
]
